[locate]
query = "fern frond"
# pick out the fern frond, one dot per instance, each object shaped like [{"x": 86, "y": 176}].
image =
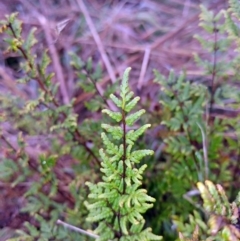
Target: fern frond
[{"x": 117, "y": 202}]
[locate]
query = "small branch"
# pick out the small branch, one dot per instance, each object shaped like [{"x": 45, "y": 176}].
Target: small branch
[
  {"x": 193, "y": 154},
  {"x": 144, "y": 67},
  {"x": 188, "y": 197},
  {"x": 101, "y": 94},
  {"x": 8, "y": 143},
  {"x": 214, "y": 71},
  {"x": 24, "y": 54},
  {"x": 128, "y": 62},
  {"x": 77, "y": 135},
  {"x": 204, "y": 151},
  {"x": 76, "y": 229},
  {"x": 177, "y": 30},
  {"x": 55, "y": 58},
  {"x": 56, "y": 63},
  {"x": 97, "y": 40}
]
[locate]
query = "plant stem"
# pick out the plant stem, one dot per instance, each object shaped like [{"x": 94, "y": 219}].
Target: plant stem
[
  {"x": 76, "y": 133},
  {"x": 214, "y": 71},
  {"x": 124, "y": 149}
]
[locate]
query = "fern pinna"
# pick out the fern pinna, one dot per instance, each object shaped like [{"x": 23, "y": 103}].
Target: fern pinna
[{"x": 117, "y": 202}]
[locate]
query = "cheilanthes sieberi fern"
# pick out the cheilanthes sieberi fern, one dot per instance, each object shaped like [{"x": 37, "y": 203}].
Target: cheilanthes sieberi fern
[{"x": 117, "y": 202}]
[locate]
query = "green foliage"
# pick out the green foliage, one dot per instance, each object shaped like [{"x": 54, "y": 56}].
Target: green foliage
[
  {"x": 223, "y": 216},
  {"x": 88, "y": 80},
  {"x": 196, "y": 226},
  {"x": 117, "y": 202},
  {"x": 183, "y": 105},
  {"x": 47, "y": 118},
  {"x": 195, "y": 144}
]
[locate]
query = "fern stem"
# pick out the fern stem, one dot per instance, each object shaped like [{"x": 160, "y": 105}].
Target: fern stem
[
  {"x": 214, "y": 71},
  {"x": 119, "y": 225},
  {"x": 188, "y": 136},
  {"x": 124, "y": 149},
  {"x": 98, "y": 91},
  {"x": 193, "y": 155}
]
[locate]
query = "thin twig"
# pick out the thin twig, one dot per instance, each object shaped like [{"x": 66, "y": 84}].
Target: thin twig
[
  {"x": 188, "y": 197},
  {"x": 144, "y": 67},
  {"x": 205, "y": 152},
  {"x": 128, "y": 62},
  {"x": 59, "y": 74},
  {"x": 24, "y": 54},
  {"x": 76, "y": 229},
  {"x": 100, "y": 92},
  {"x": 8, "y": 143},
  {"x": 184, "y": 51},
  {"x": 214, "y": 69},
  {"x": 97, "y": 40},
  {"x": 173, "y": 33},
  {"x": 55, "y": 58}
]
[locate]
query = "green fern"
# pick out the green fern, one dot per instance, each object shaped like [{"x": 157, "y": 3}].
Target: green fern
[
  {"x": 223, "y": 216},
  {"x": 117, "y": 202}
]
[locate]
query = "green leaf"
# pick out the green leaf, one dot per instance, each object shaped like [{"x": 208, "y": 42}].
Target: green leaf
[
  {"x": 114, "y": 115},
  {"x": 116, "y": 131},
  {"x": 131, "y": 119},
  {"x": 124, "y": 86},
  {"x": 130, "y": 105}
]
